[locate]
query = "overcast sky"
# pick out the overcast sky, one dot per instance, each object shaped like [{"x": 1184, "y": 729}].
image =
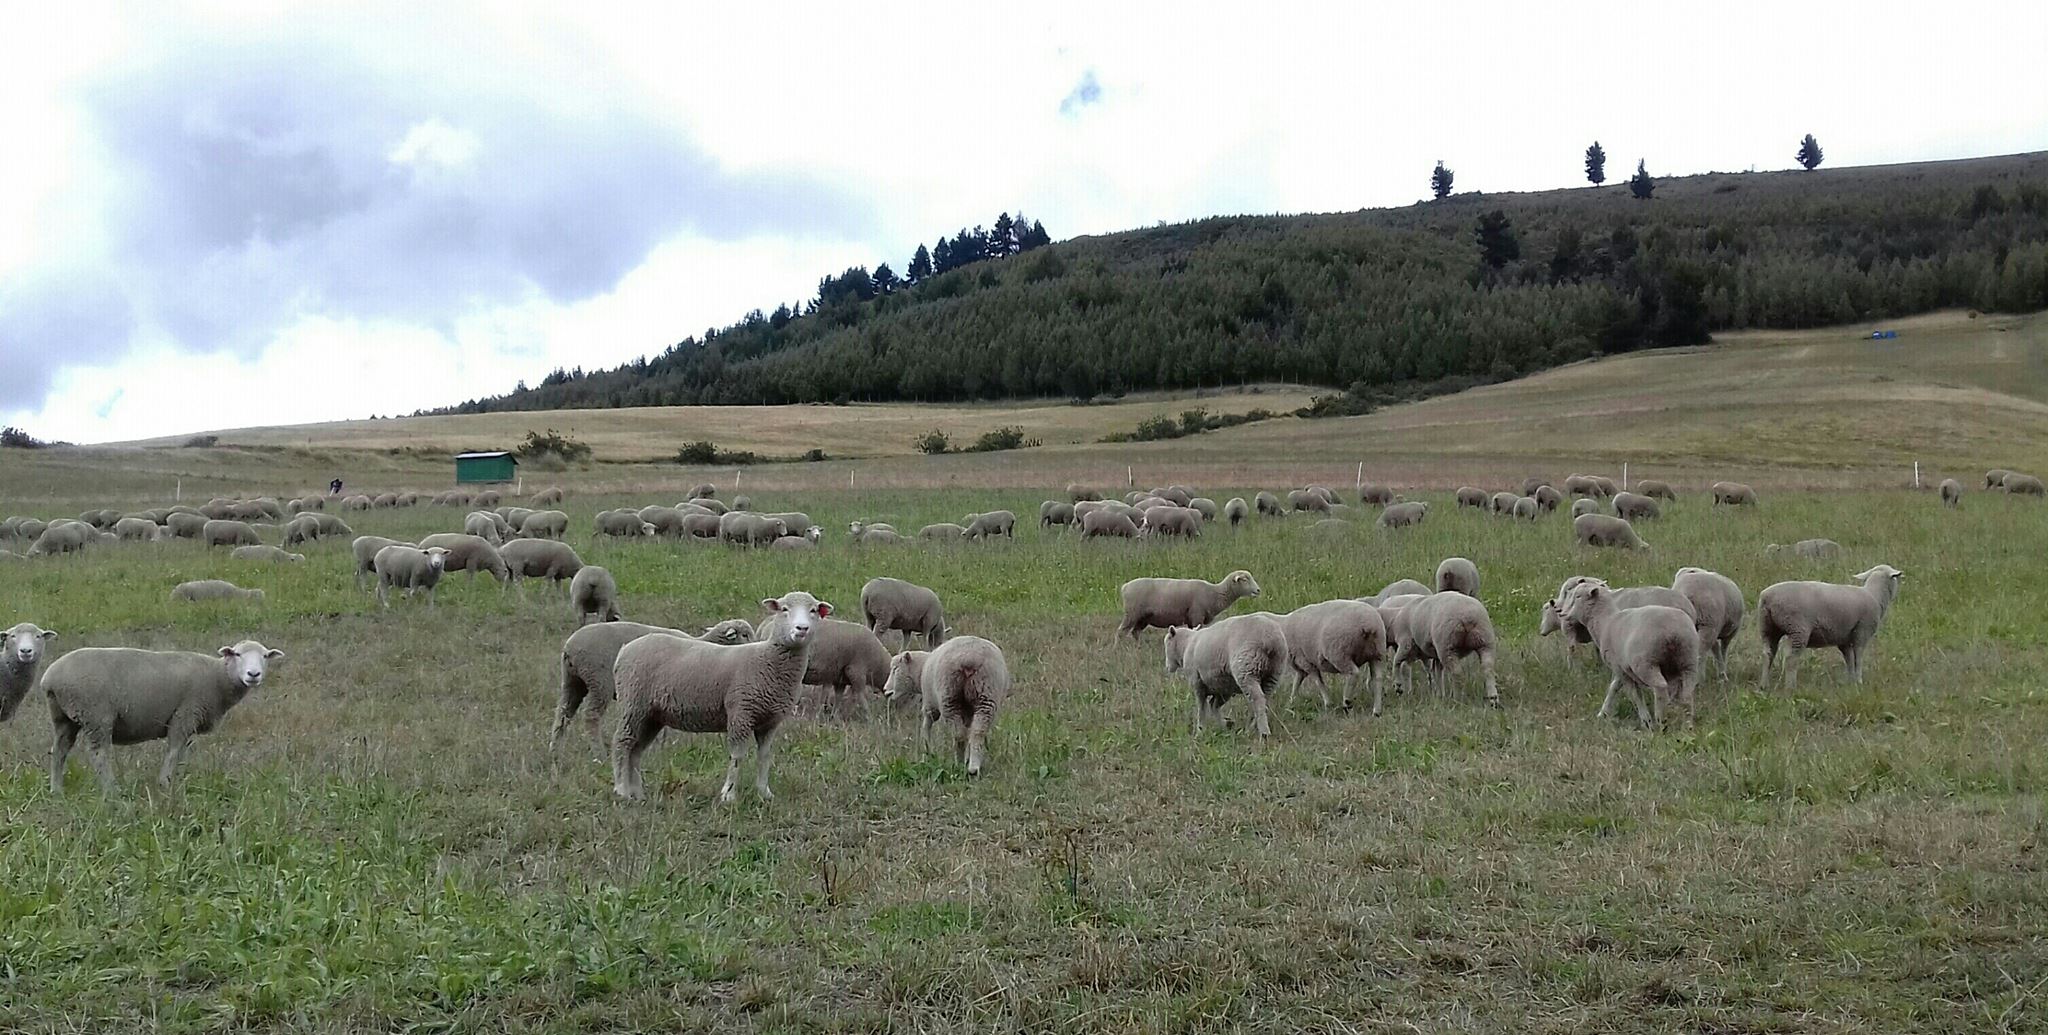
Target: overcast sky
[{"x": 252, "y": 214}]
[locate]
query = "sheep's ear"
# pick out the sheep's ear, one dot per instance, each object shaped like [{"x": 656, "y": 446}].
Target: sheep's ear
[
  {"x": 49, "y": 634},
  {"x": 227, "y": 652},
  {"x": 771, "y": 604},
  {"x": 824, "y": 609},
  {"x": 273, "y": 654}
]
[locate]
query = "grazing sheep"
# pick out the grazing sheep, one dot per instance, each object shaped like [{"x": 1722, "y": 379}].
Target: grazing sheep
[
  {"x": 1810, "y": 549},
  {"x": 483, "y": 526},
  {"x": 1055, "y": 512},
  {"x": 1584, "y": 506},
  {"x": 1824, "y": 614},
  {"x": 1185, "y": 522},
  {"x": 1269, "y": 505},
  {"x": 329, "y": 525},
  {"x": 545, "y": 524},
  {"x": 1403, "y": 515},
  {"x": 994, "y": 523},
  {"x": 847, "y": 663},
  {"x": 21, "y": 650},
  {"x": 796, "y": 520},
  {"x": 745, "y": 691},
  {"x": 943, "y": 532},
  {"x": 587, "y": 657},
  {"x": 1108, "y": 523},
  {"x": 1647, "y": 648},
  {"x": 1204, "y": 506},
  {"x": 704, "y": 491},
  {"x": 700, "y": 526},
  {"x": 1398, "y": 587},
  {"x": 356, "y": 502},
  {"x": 364, "y": 549},
  {"x": 742, "y": 503},
  {"x": 548, "y": 497},
  {"x": 856, "y": 529},
  {"x": 624, "y": 524},
  {"x": 1734, "y": 494},
  {"x": 964, "y": 680},
  {"x": 1630, "y": 506},
  {"x": 1951, "y": 492},
  {"x": 1394, "y": 611},
  {"x": 1245, "y": 654},
  {"x": 667, "y": 521},
  {"x": 1336, "y": 637},
  {"x": 1548, "y": 498},
  {"x": 61, "y": 538},
  {"x": 1444, "y": 627},
  {"x": 1375, "y": 495},
  {"x": 594, "y": 596},
  {"x": 410, "y": 568},
  {"x": 1603, "y": 530},
  {"x": 1081, "y": 493},
  {"x": 1236, "y": 511},
  {"x": 473, "y": 554},
  {"x": 2023, "y": 485},
  {"x": 1456, "y": 574},
  {"x": 1718, "y": 603},
  {"x": 228, "y": 533},
  {"x": 539, "y": 559},
  {"x": 743, "y": 528},
  {"x": 1471, "y": 496},
  {"x": 881, "y": 537},
  {"x": 1607, "y": 486},
  {"x": 1582, "y": 485},
  {"x": 118, "y": 695},
  {"x": 1308, "y": 499},
  {"x": 905, "y": 607},
  {"x": 1163, "y": 603},
  {"x": 301, "y": 529},
  {"x": 265, "y": 553},
  {"x": 709, "y": 504},
  {"x": 385, "y": 500},
  {"x": 31, "y": 529},
  {"x": 487, "y": 499},
  {"x": 214, "y": 589},
  {"x": 1655, "y": 489},
  {"x": 142, "y": 530},
  {"x": 1531, "y": 484},
  {"x": 1526, "y": 507},
  {"x": 1502, "y": 503},
  {"x": 1995, "y": 478}
]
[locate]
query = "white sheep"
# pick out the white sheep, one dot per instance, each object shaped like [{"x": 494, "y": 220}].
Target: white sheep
[
  {"x": 1734, "y": 494},
  {"x": 545, "y": 524},
  {"x": 1236, "y": 511},
  {"x": 1995, "y": 478},
  {"x": 1717, "y": 602},
  {"x": 1055, "y": 512},
  {"x": 1402, "y": 515},
  {"x": 1810, "y": 549},
  {"x": 1548, "y": 498},
  {"x": 1630, "y": 506},
  {"x": 906, "y": 607},
  {"x": 744, "y": 528},
  {"x": 847, "y": 663},
  {"x": 1156, "y": 603},
  {"x": 410, "y": 568},
  {"x": 942, "y": 532},
  {"x": 1245, "y": 654},
  {"x": 1605, "y": 530},
  {"x": 1458, "y": 575},
  {"x": 594, "y": 596},
  {"x": 1184, "y": 522},
  {"x": 1336, "y": 637},
  {"x": 1951, "y": 492},
  {"x": 228, "y": 533},
  {"x": 469, "y": 553},
  {"x": 1269, "y": 505},
  {"x": 1824, "y": 614},
  {"x": 214, "y": 589},
  {"x": 137, "y": 530},
  {"x": 270, "y": 554},
  {"x": 991, "y": 524},
  {"x": 1308, "y": 499},
  {"x": 1655, "y": 489},
  {"x": 965, "y": 679},
  {"x": 119, "y": 695},
  {"x": 548, "y": 496},
  {"x": 2017, "y": 484},
  {"x": 1647, "y": 648},
  {"x": 1375, "y": 495},
  {"x": 587, "y": 657},
  {"x": 539, "y": 559},
  {"x": 21, "y": 651},
  {"x": 364, "y": 549},
  {"x": 1204, "y": 506},
  {"x": 1398, "y": 587},
  {"x": 744, "y": 692},
  {"x": 1111, "y": 523},
  {"x": 484, "y": 526},
  {"x": 1444, "y": 627},
  {"x": 1585, "y": 505},
  {"x": 1526, "y": 508}
]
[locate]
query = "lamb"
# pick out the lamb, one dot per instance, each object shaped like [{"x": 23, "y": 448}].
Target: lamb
[
  {"x": 1951, "y": 492},
  {"x": 743, "y": 528},
  {"x": 587, "y": 657},
  {"x": 1810, "y": 549},
  {"x": 1108, "y": 523},
  {"x": 906, "y": 607},
  {"x": 1548, "y": 498},
  {"x": 228, "y": 533},
  {"x": 1824, "y": 614},
  {"x": 1717, "y": 603},
  {"x": 2023, "y": 485},
  {"x": 625, "y": 524},
  {"x": 1164, "y": 603},
  {"x": 1403, "y": 515},
  {"x": 847, "y": 662},
  {"x": 1471, "y": 496},
  {"x": 1269, "y": 505},
  {"x": 994, "y": 523},
  {"x": 540, "y": 559},
  {"x": 1245, "y": 654},
  {"x": 1655, "y": 489},
  {"x": 743, "y": 503},
  {"x": 964, "y": 680},
  {"x": 594, "y": 596},
  {"x": 410, "y": 568},
  {"x": 1585, "y": 506},
  {"x": 1734, "y": 494},
  {"x": 1236, "y": 511},
  {"x": 364, "y": 549},
  {"x": 213, "y": 589},
  {"x": 469, "y": 553},
  {"x": 743, "y": 691},
  {"x": 943, "y": 532},
  {"x": 483, "y": 526},
  {"x": 807, "y": 541},
  {"x": 545, "y": 524},
  {"x": 548, "y": 497},
  {"x": 1336, "y": 637},
  {"x": 1602, "y": 530},
  {"x": 1631, "y": 506},
  {"x": 1995, "y": 478},
  {"x": 1173, "y": 521},
  {"x": 1456, "y": 574},
  {"x": 1398, "y": 587},
  {"x": 1055, "y": 512},
  {"x": 704, "y": 491},
  {"x": 1375, "y": 495},
  {"x": 118, "y": 695},
  {"x": 21, "y": 651},
  {"x": 269, "y": 554},
  {"x": 132, "y": 529},
  {"x": 1651, "y": 648},
  {"x": 1526, "y": 507},
  {"x": 1444, "y": 627}
]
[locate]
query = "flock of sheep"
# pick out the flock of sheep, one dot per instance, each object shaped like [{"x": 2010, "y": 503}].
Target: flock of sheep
[{"x": 744, "y": 680}]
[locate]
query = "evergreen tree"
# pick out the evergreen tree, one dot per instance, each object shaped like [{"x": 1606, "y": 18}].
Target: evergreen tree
[
  {"x": 885, "y": 280},
  {"x": 1002, "y": 241},
  {"x": 1596, "y": 164},
  {"x": 1809, "y": 152},
  {"x": 1497, "y": 244},
  {"x": 1440, "y": 181},
  {"x": 942, "y": 256},
  {"x": 1036, "y": 237},
  {"x": 920, "y": 266},
  {"x": 1641, "y": 185}
]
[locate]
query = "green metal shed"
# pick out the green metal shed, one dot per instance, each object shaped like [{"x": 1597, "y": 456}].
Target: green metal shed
[{"x": 499, "y": 466}]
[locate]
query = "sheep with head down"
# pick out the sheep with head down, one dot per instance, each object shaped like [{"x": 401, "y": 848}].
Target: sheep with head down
[
  {"x": 1649, "y": 648},
  {"x": 888, "y": 604},
  {"x": 2017, "y": 484},
  {"x": 965, "y": 680},
  {"x": 202, "y": 590},
  {"x": 1241, "y": 655},
  {"x": 1236, "y": 511},
  {"x": 594, "y": 595},
  {"x": 1733, "y": 494},
  {"x": 1403, "y": 515},
  {"x": 1336, "y": 638},
  {"x": 1951, "y": 492},
  {"x": 1718, "y": 606},
  {"x": 1604, "y": 530},
  {"x": 1631, "y": 506},
  {"x": 1375, "y": 495},
  {"x": 1457, "y": 575},
  {"x": 1995, "y": 478},
  {"x": 1445, "y": 627}
]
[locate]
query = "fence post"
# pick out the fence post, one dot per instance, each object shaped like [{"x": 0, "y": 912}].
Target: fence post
[
  {"x": 1130, "y": 480},
  {"x": 1916, "y": 474},
  {"x": 1624, "y": 475},
  {"x": 179, "y": 495},
  {"x": 1360, "y": 486}
]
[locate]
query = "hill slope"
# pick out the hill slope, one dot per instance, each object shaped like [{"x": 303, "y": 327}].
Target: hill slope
[{"x": 1413, "y": 296}]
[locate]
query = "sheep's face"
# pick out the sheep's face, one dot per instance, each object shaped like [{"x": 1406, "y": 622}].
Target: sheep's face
[
  {"x": 250, "y": 661},
  {"x": 798, "y": 615},
  {"x": 1550, "y": 622},
  {"x": 814, "y": 533},
  {"x": 437, "y": 557},
  {"x": 730, "y": 631},
  {"x": 1583, "y": 600},
  {"x": 23, "y": 644},
  {"x": 1176, "y": 647},
  {"x": 1242, "y": 584},
  {"x": 904, "y": 670},
  {"x": 778, "y": 527}
]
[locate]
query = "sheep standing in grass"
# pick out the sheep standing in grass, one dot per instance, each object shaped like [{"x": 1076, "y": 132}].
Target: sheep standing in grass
[
  {"x": 1809, "y": 549},
  {"x": 1526, "y": 508},
  {"x": 137, "y": 530},
  {"x": 1336, "y": 637},
  {"x": 545, "y": 524},
  {"x": 1375, "y": 495},
  {"x": 1718, "y": 606},
  {"x": 1658, "y": 490},
  {"x": 1444, "y": 627},
  {"x": 905, "y": 607},
  {"x": 1403, "y": 515},
  {"x": 1584, "y": 506},
  {"x": 1185, "y": 522},
  {"x": 1502, "y": 503},
  {"x": 118, "y": 695},
  {"x": 1603, "y": 530},
  {"x": 1548, "y": 498},
  {"x": 1648, "y": 648},
  {"x": 1631, "y": 506},
  {"x": 484, "y": 526},
  {"x": 1951, "y": 492},
  {"x": 1108, "y": 523},
  {"x": 1995, "y": 478},
  {"x": 1241, "y": 655},
  {"x": 21, "y": 651},
  {"x": 742, "y": 528},
  {"x": 1471, "y": 496},
  {"x": 1308, "y": 499},
  {"x": 62, "y": 538},
  {"x": 1164, "y": 603},
  {"x": 964, "y": 680},
  {"x": 1458, "y": 575},
  {"x": 587, "y": 657},
  {"x": 1055, "y": 512},
  {"x": 994, "y": 523},
  {"x": 1552, "y": 620},
  {"x": 1824, "y": 614},
  {"x": 540, "y": 559},
  {"x": 548, "y": 497},
  {"x": 1269, "y": 505},
  {"x": 623, "y": 524},
  {"x": 1398, "y": 587},
  {"x": 1081, "y": 493},
  {"x": 469, "y": 553},
  {"x": 410, "y": 568},
  {"x": 228, "y": 533},
  {"x": 1734, "y": 494},
  {"x": 2024, "y": 485},
  {"x": 214, "y": 589},
  {"x": 594, "y": 596},
  {"x": 1531, "y": 484},
  {"x": 745, "y": 692},
  {"x": 1236, "y": 511},
  {"x": 1582, "y": 485},
  {"x": 847, "y": 663},
  {"x": 364, "y": 549},
  {"x": 943, "y": 532}
]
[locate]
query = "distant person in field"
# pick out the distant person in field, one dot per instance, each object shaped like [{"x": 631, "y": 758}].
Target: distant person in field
[{"x": 334, "y": 487}]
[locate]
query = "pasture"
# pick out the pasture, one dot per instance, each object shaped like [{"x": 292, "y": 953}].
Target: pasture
[{"x": 379, "y": 839}]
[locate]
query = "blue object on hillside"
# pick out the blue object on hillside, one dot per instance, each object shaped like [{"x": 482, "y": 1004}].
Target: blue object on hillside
[{"x": 1884, "y": 334}]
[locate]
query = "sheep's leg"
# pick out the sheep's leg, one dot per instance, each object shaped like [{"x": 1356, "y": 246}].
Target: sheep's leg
[
  {"x": 174, "y": 752},
  {"x": 1686, "y": 685},
  {"x": 1613, "y": 694},
  {"x": 573, "y": 693},
  {"x": 1852, "y": 661},
  {"x": 1486, "y": 670},
  {"x": 764, "y": 756},
  {"x": 1770, "y": 656},
  {"x": 1659, "y": 692},
  {"x": 960, "y": 735},
  {"x": 637, "y": 729},
  {"x": 383, "y": 599},
  {"x": 1721, "y": 657},
  {"x": 736, "y": 739},
  {"x": 977, "y": 739},
  {"x": 1792, "y": 650},
  {"x": 1255, "y": 689},
  {"x": 60, "y": 749},
  {"x": 1201, "y": 710},
  {"x": 98, "y": 746},
  {"x": 927, "y": 716},
  {"x": 1375, "y": 676}
]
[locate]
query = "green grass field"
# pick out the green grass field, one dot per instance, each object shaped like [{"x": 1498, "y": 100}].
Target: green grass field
[{"x": 378, "y": 839}]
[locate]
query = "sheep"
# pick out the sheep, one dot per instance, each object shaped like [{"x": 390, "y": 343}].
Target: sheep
[
  {"x": 1398, "y": 587},
  {"x": 483, "y": 526},
  {"x": 847, "y": 663},
  {"x": 1995, "y": 478},
  {"x": 743, "y": 528},
  {"x": 539, "y": 559},
  {"x": 1162, "y": 603},
  {"x": 1307, "y": 499},
  {"x": 667, "y": 521},
  {"x": 1471, "y": 496},
  {"x": 1204, "y": 506},
  {"x": 1236, "y": 511},
  {"x": 385, "y": 500},
  {"x": 742, "y": 691},
  {"x": 364, "y": 550},
  {"x": 1824, "y": 614},
  {"x": 704, "y": 491},
  {"x": 21, "y": 651},
  {"x": 796, "y": 520},
  {"x": 1269, "y": 505},
  {"x": 31, "y": 529},
  {"x": 1734, "y": 494},
  {"x": 1055, "y": 512},
  {"x": 711, "y": 505},
  {"x": 1375, "y": 495},
  {"x": 1502, "y": 503},
  {"x": 228, "y": 533},
  {"x": 1810, "y": 549},
  {"x": 1174, "y": 494},
  {"x": 1526, "y": 507},
  {"x": 2023, "y": 485},
  {"x": 265, "y": 553},
  {"x": 742, "y": 503},
  {"x": 1607, "y": 486},
  {"x": 1551, "y": 619},
  {"x": 964, "y": 680},
  {"x": 1548, "y": 498},
  {"x": 1403, "y": 515},
  {"x": 487, "y": 499},
  {"x": 1951, "y": 492},
  {"x": 1583, "y": 506},
  {"x": 991, "y": 524},
  {"x": 807, "y": 541},
  {"x": 943, "y": 532},
  {"x": 1655, "y": 489},
  {"x": 1245, "y": 654},
  {"x": 1531, "y": 484},
  {"x": 1603, "y": 530},
  {"x": 61, "y": 538},
  {"x": 1135, "y": 495},
  {"x": 587, "y": 658},
  {"x": 1444, "y": 627},
  {"x": 1456, "y": 574},
  {"x": 301, "y": 529},
  {"x": 330, "y": 525},
  {"x": 699, "y": 526},
  {"x": 213, "y": 589},
  {"x": 131, "y": 529},
  {"x": 624, "y": 524},
  {"x": 1647, "y": 647},
  {"x": 1582, "y": 485},
  {"x": 1631, "y": 506},
  {"x": 856, "y": 528},
  {"x": 356, "y": 502},
  {"x": 1336, "y": 637},
  {"x": 548, "y": 497},
  {"x": 410, "y": 568},
  {"x": 545, "y": 524},
  {"x": 1185, "y": 522},
  {"x": 594, "y": 596},
  {"x": 473, "y": 554},
  {"x": 906, "y": 607},
  {"x": 1081, "y": 493},
  {"x": 1718, "y": 606},
  {"x": 1108, "y": 523},
  {"x": 119, "y": 695}
]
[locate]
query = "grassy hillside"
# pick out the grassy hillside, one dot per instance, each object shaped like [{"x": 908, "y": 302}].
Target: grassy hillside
[{"x": 1414, "y": 297}]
